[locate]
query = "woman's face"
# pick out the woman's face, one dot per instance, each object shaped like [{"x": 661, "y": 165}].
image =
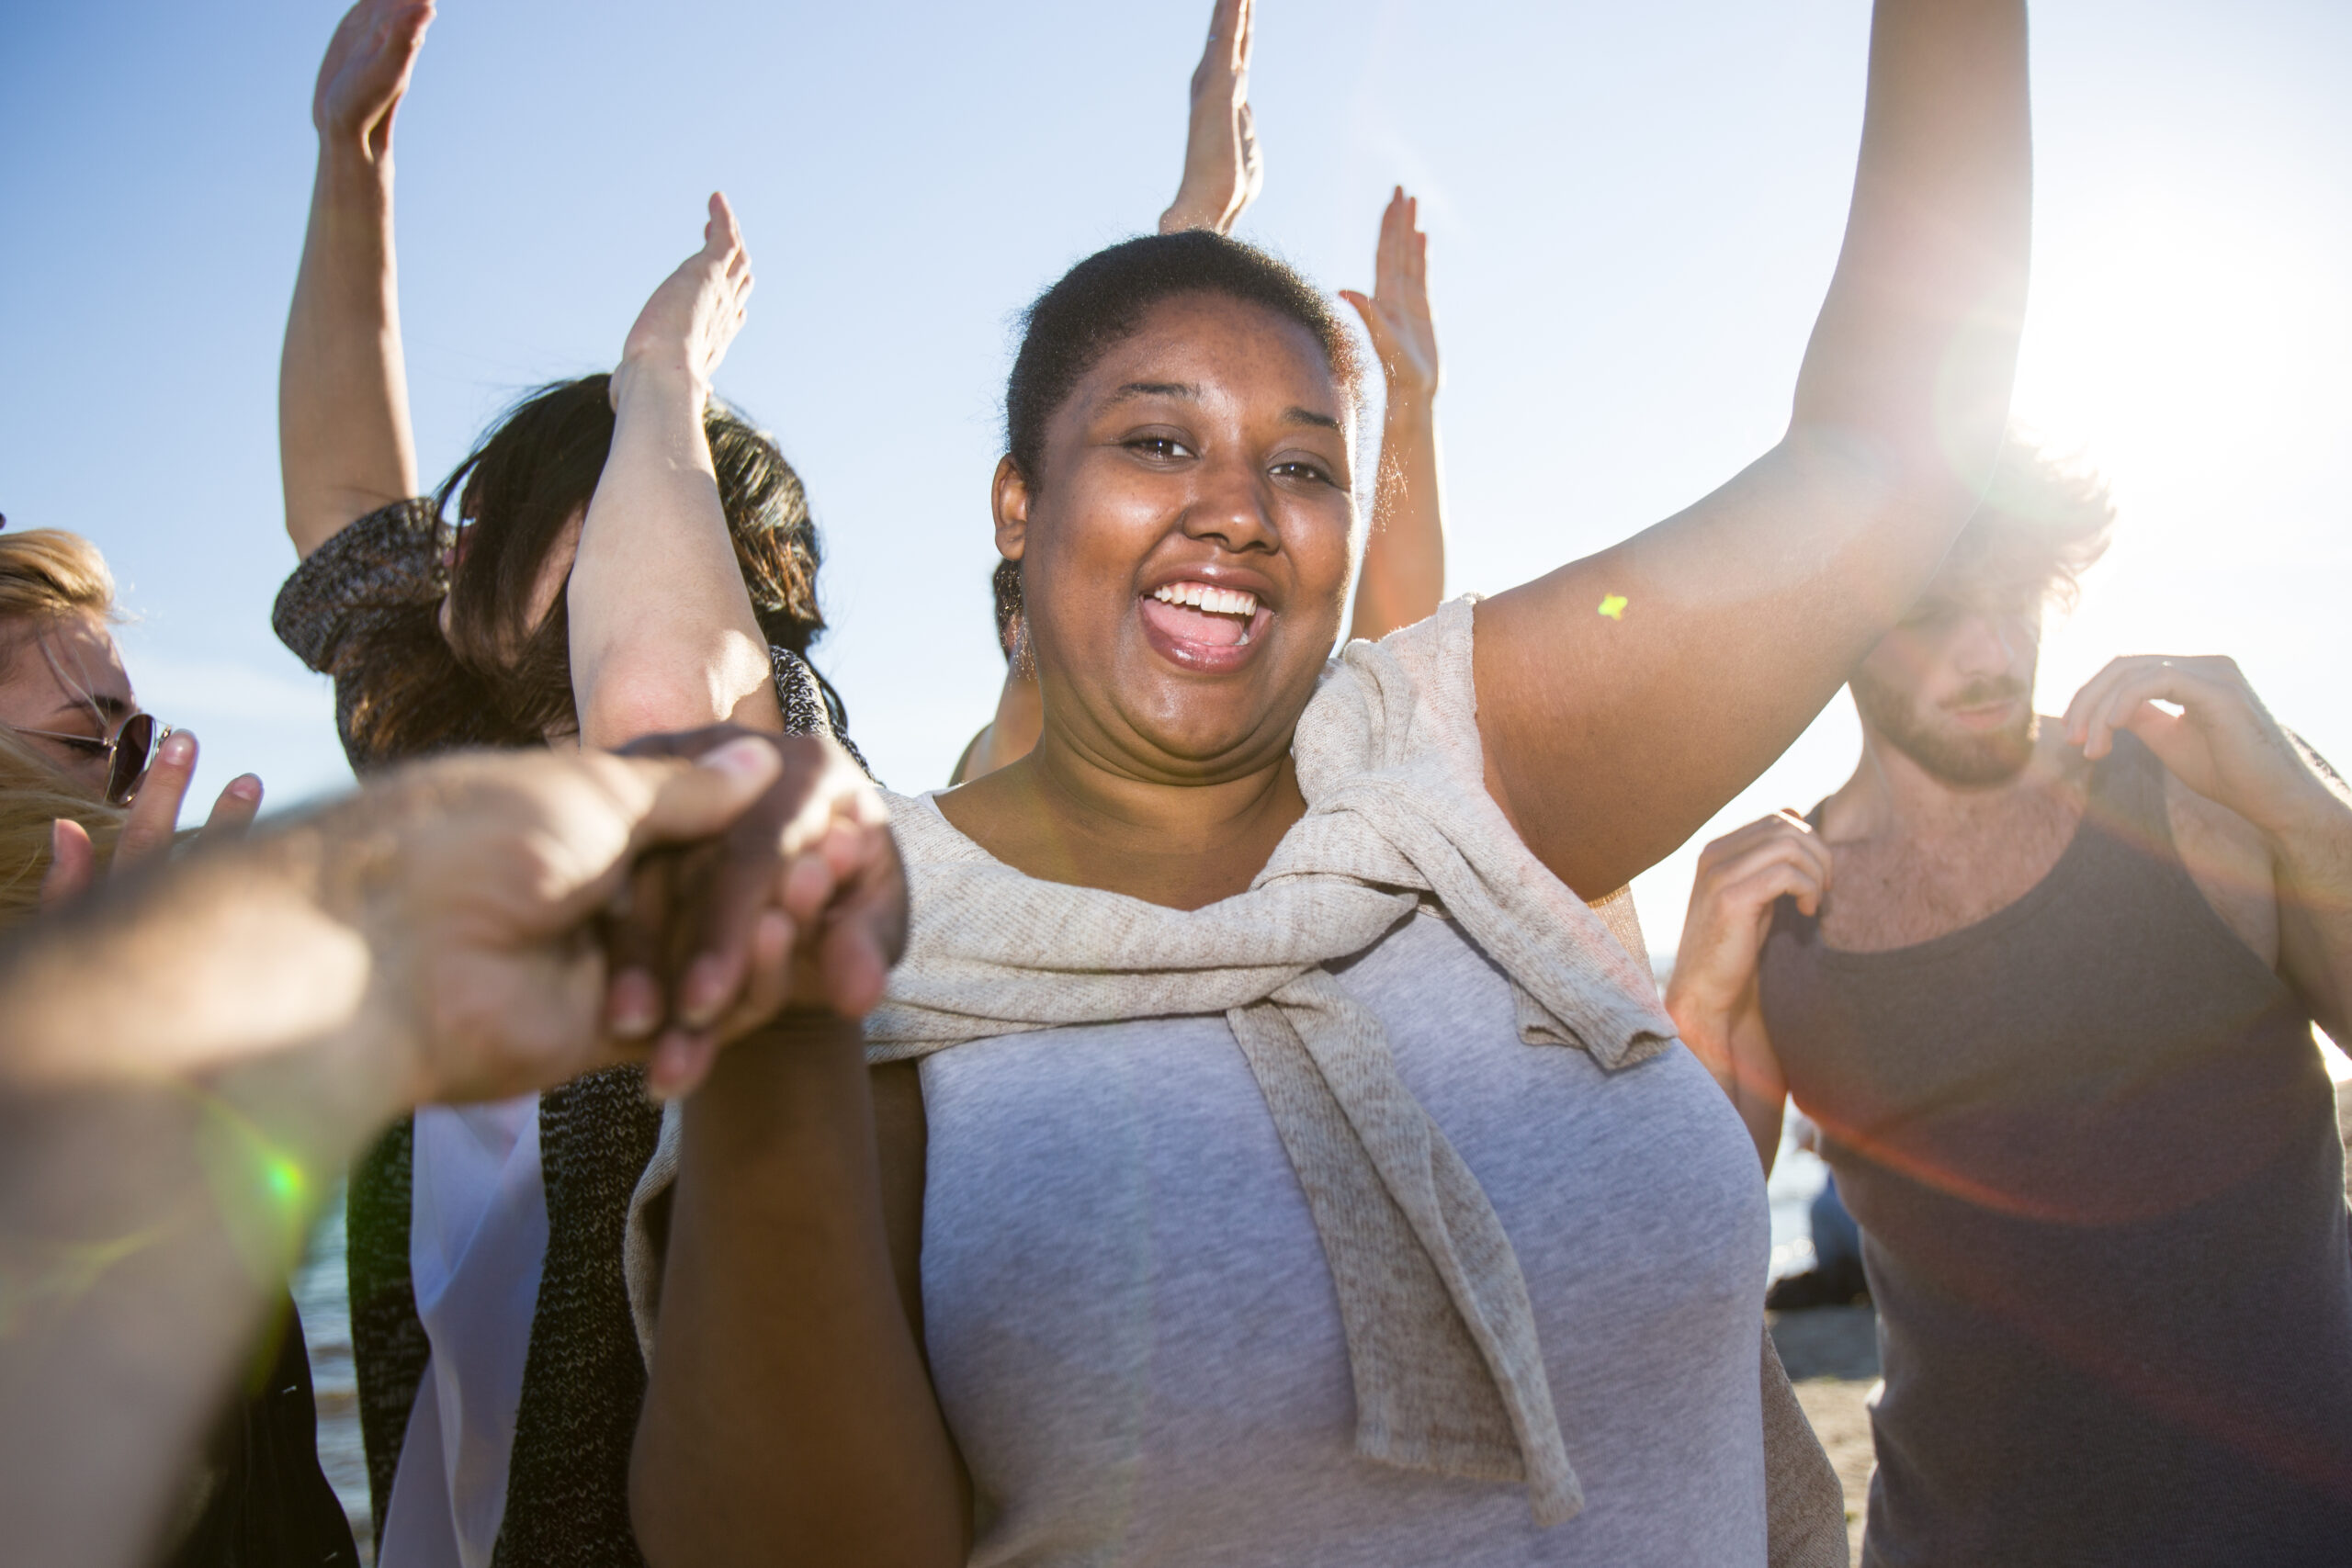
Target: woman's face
[
  {"x": 67, "y": 677},
  {"x": 1185, "y": 557}
]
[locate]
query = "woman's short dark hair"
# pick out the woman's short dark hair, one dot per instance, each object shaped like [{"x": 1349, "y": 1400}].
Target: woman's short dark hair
[
  {"x": 1068, "y": 328},
  {"x": 497, "y": 680}
]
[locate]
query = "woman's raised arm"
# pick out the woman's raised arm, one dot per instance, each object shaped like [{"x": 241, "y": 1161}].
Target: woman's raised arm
[
  {"x": 1624, "y": 698},
  {"x": 1403, "y": 575},
  {"x": 344, "y": 442},
  {"x": 663, "y": 636}
]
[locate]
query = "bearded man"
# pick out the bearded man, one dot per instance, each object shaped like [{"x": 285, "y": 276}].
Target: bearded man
[{"x": 2047, "y": 987}]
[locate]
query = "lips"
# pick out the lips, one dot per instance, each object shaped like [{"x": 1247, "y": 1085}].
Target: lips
[{"x": 1202, "y": 626}]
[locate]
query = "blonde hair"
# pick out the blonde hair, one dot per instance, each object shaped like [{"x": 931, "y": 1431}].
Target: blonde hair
[
  {"x": 48, "y": 571},
  {"x": 33, "y": 795},
  {"x": 2042, "y": 523},
  {"x": 45, "y": 574}
]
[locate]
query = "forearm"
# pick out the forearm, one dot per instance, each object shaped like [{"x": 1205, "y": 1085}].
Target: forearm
[
  {"x": 1403, "y": 561},
  {"x": 172, "y": 1108},
  {"x": 663, "y": 634},
  {"x": 789, "y": 1409},
  {"x": 1916, "y": 346},
  {"x": 345, "y": 444}
]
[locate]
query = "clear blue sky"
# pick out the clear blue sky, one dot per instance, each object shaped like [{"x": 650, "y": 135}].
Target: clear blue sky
[{"x": 1633, "y": 210}]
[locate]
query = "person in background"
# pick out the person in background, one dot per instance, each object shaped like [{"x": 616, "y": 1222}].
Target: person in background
[
  {"x": 1402, "y": 575},
  {"x": 2046, "y": 987},
  {"x": 1265, "y": 1152},
  {"x": 629, "y": 556},
  {"x": 194, "y": 1051},
  {"x": 91, "y": 785}
]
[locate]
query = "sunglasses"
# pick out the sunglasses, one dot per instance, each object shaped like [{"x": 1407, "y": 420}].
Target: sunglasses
[{"x": 128, "y": 754}]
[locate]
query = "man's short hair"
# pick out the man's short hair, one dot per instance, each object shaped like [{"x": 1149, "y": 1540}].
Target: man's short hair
[{"x": 2042, "y": 524}]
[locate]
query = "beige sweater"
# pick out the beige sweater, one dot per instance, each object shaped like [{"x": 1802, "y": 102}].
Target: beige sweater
[{"x": 1440, "y": 1331}]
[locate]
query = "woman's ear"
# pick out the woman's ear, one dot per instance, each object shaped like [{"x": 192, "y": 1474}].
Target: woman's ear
[{"x": 1009, "y": 497}]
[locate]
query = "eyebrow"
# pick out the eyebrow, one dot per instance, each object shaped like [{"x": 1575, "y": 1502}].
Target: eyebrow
[
  {"x": 109, "y": 706},
  {"x": 1191, "y": 393}
]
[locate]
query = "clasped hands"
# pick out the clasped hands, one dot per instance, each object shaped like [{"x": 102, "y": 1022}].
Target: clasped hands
[{"x": 534, "y": 917}]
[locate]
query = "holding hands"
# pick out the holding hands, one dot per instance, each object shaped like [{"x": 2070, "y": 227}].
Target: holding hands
[{"x": 1223, "y": 168}]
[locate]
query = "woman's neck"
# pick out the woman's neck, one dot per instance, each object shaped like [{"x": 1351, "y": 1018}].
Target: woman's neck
[{"x": 1061, "y": 817}]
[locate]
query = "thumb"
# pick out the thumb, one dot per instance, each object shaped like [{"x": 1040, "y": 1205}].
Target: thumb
[
  {"x": 72, "y": 864},
  {"x": 702, "y": 800}
]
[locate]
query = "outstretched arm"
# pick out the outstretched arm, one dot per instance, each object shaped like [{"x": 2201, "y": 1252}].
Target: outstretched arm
[
  {"x": 1403, "y": 561},
  {"x": 663, "y": 633},
  {"x": 344, "y": 442},
  {"x": 1223, "y": 169},
  {"x": 193, "y": 1053},
  {"x": 1626, "y": 697}
]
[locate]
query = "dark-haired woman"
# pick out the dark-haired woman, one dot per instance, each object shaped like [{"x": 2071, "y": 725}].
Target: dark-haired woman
[
  {"x": 618, "y": 555},
  {"x": 1267, "y": 1157}
]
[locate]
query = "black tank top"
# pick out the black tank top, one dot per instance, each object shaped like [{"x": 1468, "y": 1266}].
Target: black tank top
[{"x": 2094, "y": 1154}]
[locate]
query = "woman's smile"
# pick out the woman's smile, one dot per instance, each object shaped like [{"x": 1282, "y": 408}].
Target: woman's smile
[{"x": 1200, "y": 625}]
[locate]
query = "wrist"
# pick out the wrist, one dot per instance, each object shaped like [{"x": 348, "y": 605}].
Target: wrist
[
  {"x": 662, "y": 373},
  {"x": 1187, "y": 212},
  {"x": 1410, "y": 399},
  {"x": 350, "y": 169}
]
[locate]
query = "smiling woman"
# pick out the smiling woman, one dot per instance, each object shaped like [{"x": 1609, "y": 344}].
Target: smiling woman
[{"x": 1205, "y": 1201}]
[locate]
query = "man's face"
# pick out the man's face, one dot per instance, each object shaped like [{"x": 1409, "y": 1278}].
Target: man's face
[{"x": 1952, "y": 687}]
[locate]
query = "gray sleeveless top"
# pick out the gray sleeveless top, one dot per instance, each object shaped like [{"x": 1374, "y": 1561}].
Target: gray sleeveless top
[
  {"x": 2093, "y": 1155},
  {"x": 1138, "y": 1348}
]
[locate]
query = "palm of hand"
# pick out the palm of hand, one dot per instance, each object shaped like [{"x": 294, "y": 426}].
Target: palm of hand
[
  {"x": 1397, "y": 314},
  {"x": 366, "y": 69},
  {"x": 695, "y": 313}
]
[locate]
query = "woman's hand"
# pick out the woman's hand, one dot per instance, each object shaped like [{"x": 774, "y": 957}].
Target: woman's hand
[
  {"x": 801, "y": 903},
  {"x": 1223, "y": 169},
  {"x": 151, "y": 826},
  {"x": 365, "y": 73},
  {"x": 1398, "y": 313},
  {"x": 684, "y": 329},
  {"x": 1712, "y": 995}
]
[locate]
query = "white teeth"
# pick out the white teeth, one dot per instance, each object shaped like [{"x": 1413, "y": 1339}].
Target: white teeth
[{"x": 1202, "y": 596}]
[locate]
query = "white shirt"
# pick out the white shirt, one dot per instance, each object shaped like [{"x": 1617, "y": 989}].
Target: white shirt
[{"x": 477, "y": 1237}]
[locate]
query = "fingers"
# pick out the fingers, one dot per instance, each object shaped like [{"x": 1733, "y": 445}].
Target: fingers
[
  {"x": 704, "y": 800},
  {"x": 155, "y": 814},
  {"x": 72, "y": 864},
  {"x": 1783, "y": 838},
  {"x": 2115, "y": 697},
  {"x": 234, "y": 811}
]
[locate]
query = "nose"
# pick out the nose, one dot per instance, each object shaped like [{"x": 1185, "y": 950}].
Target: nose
[
  {"x": 1984, "y": 646},
  {"x": 1228, "y": 504}
]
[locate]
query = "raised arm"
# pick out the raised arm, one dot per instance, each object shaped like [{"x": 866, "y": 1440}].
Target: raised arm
[
  {"x": 1223, "y": 169},
  {"x": 663, "y": 636},
  {"x": 1403, "y": 560},
  {"x": 344, "y": 442},
  {"x": 1626, "y": 697}
]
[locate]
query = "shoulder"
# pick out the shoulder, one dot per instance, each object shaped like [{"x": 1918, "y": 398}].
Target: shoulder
[{"x": 387, "y": 562}]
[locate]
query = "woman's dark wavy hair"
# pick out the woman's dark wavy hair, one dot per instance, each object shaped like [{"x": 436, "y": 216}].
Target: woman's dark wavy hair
[
  {"x": 496, "y": 680},
  {"x": 1102, "y": 300}
]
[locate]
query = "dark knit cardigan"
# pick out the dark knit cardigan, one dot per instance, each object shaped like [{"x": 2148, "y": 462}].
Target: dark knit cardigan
[{"x": 584, "y": 1379}]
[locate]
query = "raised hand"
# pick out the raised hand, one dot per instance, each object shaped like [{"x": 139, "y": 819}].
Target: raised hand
[
  {"x": 1712, "y": 995},
  {"x": 367, "y": 71},
  {"x": 1223, "y": 168},
  {"x": 1398, "y": 313},
  {"x": 152, "y": 824},
  {"x": 695, "y": 313},
  {"x": 2223, "y": 743}
]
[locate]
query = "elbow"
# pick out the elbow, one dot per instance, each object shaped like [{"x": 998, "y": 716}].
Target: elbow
[{"x": 629, "y": 700}]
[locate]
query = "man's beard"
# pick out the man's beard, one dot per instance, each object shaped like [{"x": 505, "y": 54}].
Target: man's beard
[{"x": 1967, "y": 760}]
